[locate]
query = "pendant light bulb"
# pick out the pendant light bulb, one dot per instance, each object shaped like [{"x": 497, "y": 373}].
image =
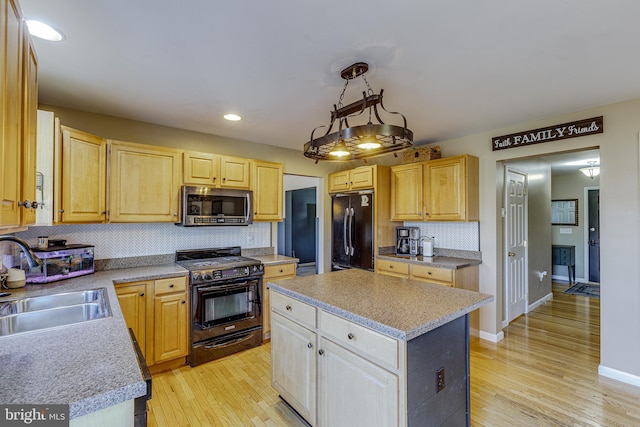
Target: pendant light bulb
[
  {"x": 369, "y": 142},
  {"x": 339, "y": 149}
]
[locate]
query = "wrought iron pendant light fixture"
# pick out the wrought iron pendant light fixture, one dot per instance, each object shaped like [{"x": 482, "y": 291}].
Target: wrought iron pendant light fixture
[{"x": 362, "y": 141}]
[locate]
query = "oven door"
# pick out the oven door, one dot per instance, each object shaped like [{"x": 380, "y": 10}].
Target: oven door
[{"x": 226, "y": 308}]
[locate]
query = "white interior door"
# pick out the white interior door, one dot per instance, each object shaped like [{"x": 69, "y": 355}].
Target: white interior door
[{"x": 515, "y": 244}]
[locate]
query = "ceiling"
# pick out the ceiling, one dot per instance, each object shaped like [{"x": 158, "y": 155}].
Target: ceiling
[{"x": 453, "y": 68}]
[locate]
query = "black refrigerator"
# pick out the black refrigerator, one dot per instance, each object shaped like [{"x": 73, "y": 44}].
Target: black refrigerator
[{"x": 352, "y": 231}]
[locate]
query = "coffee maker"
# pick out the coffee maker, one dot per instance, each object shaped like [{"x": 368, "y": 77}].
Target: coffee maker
[{"x": 407, "y": 239}]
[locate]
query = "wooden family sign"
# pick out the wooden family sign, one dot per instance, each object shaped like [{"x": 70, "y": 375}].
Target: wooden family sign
[{"x": 552, "y": 133}]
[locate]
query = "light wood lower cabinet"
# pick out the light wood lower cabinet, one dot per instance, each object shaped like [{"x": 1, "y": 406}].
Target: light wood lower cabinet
[
  {"x": 357, "y": 381},
  {"x": 157, "y": 313},
  {"x": 272, "y": 273},
  {"x": 393, "y": 268},
  {"x": 133, "y": 303},
  {"x": 462, "y": 278}
]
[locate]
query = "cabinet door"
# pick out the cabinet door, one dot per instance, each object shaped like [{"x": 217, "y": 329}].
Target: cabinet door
[
  {"x": 271, "y": 273},
  {"x": 339, "y": 181},
  {"x": 133, "y": 303},
  {"x": 170, "y": 327},
  {"x": 406, "y": 192},
  {"x": 353, "y": 391},
  {"x": 267, "y": 188},
  {"x": 444, "y": 189},
  {"x": 201, "y": 168},
  {"x": 362, "y": 177},
  {"x": 11, "y": 28},
  {"x": 144, "y": 183},
  {"x": 30, "y": 115},
  {"x": 451, "y": 189},
  {"x": 293, "y": 365},
  {"x": 83, "y": 174},
  {"x": 234, "y": 172}
]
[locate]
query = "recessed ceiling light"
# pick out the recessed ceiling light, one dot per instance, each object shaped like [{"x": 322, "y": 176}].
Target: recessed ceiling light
[
  {"x": 44, "y": 31},
  {"x": 232, "y": 117}
]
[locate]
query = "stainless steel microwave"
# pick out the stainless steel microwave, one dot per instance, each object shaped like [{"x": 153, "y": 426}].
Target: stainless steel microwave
[{"x": 207, "y": 206}]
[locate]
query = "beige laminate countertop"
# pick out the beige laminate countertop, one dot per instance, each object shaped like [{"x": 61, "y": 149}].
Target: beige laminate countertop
[
  {"x": 400, "y": 308},
  {"x": 90, "y": 365},
  {"x": 451, "y": 263}
]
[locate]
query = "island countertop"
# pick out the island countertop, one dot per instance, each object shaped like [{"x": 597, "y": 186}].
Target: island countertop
[
  {"x": 89, "y": 365},
  {"x": 400, "y": 308}
]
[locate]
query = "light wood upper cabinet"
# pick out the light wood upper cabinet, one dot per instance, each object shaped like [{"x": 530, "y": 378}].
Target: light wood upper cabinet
[
  {"x": 406, "y": 192},
  {"x": 11, "y": 97},
  {"x": 353, "y": 179},
  {"x": 30, "y": 117},
  {"x": 144, "y": 183},
  {"x": 436, "y": 190},
  {"x": 81, "y": 188},
  {"x": 267, "y": 186},
  {"x": 451, "y": 189},
  {"x": 201, "y": 168},
  {"x": 216, "y": 170},
  {"x": 235, "y": 172}
]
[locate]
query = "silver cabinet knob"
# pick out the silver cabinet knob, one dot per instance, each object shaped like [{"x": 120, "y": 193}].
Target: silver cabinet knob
[
  {"x": 309, "y": 345},
  {"x": 320, "y": 352},
  {"x": 288, "y": 308},
  {"x": 351, "y": 336}
]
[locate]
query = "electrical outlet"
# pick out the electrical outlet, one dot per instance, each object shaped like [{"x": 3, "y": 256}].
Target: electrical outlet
[{"x": 439, "y": 380}]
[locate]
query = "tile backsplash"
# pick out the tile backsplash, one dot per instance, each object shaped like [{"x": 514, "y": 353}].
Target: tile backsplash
[
  {"x": 134, "y": 240},
  {"x": 451, "y": 235}
]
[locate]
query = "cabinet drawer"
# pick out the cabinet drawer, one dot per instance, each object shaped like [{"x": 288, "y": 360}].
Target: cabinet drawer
[
  {"x": 171, "y": 285},
  {"x": 393, "y": 267},
  {"x": 431, "y": 273},
  {"x": 370, "y": 344},
  {"x": 274, "y": 272},
  {"x": 293, "y": 309}
]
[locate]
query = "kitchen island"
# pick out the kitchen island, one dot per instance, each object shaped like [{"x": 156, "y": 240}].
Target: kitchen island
[
  {"x": 90, "y": 366},
  {"x": 354, "y": 347}
]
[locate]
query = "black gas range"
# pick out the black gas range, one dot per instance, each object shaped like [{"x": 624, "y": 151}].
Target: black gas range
[{"x": 226, "y": 302}]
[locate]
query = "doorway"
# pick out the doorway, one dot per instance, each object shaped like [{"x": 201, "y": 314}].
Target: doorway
[
  {"x": 550, "y": 176},
  {"x": 298, "y": 233}
]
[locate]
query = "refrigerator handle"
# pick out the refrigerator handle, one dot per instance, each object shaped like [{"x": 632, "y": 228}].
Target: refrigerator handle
[
  {"x": 351, "y": 230},
  {"x": 344, "y": 231}
]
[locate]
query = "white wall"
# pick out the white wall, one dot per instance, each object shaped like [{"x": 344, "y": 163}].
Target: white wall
[{"x": 620, "y": 210}]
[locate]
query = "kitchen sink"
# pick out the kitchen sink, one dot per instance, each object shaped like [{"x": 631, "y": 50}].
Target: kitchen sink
[
  {"x": 52, "y": 301},
  {"x": 50, "y": 311}
]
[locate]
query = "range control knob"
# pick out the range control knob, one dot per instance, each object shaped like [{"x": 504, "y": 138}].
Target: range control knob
[
  {"x": 195, "y": 277},
  {"x": 206, "y": 276}
]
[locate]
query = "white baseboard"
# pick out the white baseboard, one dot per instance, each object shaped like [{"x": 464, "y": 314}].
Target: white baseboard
[
  {"x": 492, "y": 337},
  {"x": 619, "y": 375},
  {"x": 541, "y": 301}
]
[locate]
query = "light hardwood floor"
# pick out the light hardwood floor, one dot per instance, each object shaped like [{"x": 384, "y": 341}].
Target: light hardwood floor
[{"x": 544, "y": 373}]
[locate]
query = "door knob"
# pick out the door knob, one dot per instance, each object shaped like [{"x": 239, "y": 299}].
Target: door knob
[
  {"x": 512, "y": 254},
  {"x": 592, "y": 229}
]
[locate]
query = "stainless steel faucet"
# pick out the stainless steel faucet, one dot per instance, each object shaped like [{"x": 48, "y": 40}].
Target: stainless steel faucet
[{"x": 32, "y": 259}]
